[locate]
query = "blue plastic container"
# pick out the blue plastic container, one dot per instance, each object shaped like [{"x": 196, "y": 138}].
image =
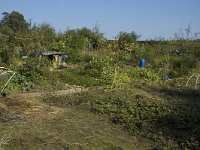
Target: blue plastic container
[
  {"x": 166, "y": 77},
  {"x": 142, "y": 63}
]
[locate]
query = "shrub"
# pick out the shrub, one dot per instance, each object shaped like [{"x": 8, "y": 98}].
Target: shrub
[
  {"x": 148, "y": 76},
  {"x": 115, "y": 77},
  {"x": 94, "y": 68},
  {"x": 34, "y": 69},
  {"x": 183, "y": 65},
  {"x": 20, "y": 82},
  {"x": 107, "y": 71}
]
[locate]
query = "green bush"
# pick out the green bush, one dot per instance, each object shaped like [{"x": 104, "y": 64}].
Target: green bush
[
  {"x": 108, "y": 71},
  {"x": 95, "y": 67},
  {"x": 73, "y": 55},
  {"x": 34, "y": 69},
  {"x": 183, "y": 65},
  {"x": 19, "y": 82},
  {"x": 115, "y": 77},
  {"x": 146, "y": 75}
]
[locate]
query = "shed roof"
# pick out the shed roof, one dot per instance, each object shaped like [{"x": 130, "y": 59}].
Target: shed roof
[{"x": 47, "y": 53}]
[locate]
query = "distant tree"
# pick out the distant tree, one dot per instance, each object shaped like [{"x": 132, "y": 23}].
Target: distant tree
[
  {"x": 46, "y": 34},
  {"x": 98, "y": 39},
  {"x": 126, "y": 38},
  {"x": 8, "y": 42},
  {"x": 85, "y": 32},
  {"x": 15, "y": 21},
  {"x": 126, "y": 43},
  {"x": 94, "y": 37}
]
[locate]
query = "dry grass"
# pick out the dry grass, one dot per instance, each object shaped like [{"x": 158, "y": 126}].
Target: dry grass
[
  {"x": 4, "y": 140},
  {"x": 42, "y": 126}
]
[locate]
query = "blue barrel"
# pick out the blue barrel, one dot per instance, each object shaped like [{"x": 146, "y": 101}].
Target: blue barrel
[{"x": 142, "y": 63}]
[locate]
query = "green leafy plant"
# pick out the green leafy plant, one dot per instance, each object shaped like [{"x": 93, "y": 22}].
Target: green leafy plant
[
  {"x": 115, "y": 77},
  {"x": 34, "y": 69},
  {"x": 20, "y": 82},
  {"x": 94, "y": 68},
  {"x": 184, "y": 65},
  {"x": 146, "y": 75},
  {"x": 109, "y": 72}
]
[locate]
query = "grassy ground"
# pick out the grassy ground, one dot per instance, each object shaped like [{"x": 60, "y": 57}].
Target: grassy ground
[
  {"x": 28, "y": 123},
  {"x": 136, "y": 117}
]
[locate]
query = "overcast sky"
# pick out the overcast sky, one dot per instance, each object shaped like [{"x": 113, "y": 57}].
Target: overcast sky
[{"x": 149, "y": 18}]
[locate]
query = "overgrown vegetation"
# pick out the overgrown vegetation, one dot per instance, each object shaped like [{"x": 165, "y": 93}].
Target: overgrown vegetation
[
  {"x": 142, "y": 100},
  {"x": 170, "y": 124}
]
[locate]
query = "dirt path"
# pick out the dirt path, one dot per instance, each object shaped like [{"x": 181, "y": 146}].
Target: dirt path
[
  {"x": 31, "y": 104},
  {"x": 57, "y": 92}
]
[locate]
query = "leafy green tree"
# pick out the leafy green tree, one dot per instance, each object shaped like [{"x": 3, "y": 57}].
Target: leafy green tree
[
  {"x": 75, "y": 41},
  {"x": 125, "y": 38},
  {"x": 126, "y": 44},
  {"x": 85, "y": 32},
  {"x": 98, "y": 39},
  {"x": 8, "y": 43},
  {"x": 58, "y": 43},
  {"x": 13, "y": 26},
  {"x": 15, "y": 21},
  {"x": 46, "y": 34}
]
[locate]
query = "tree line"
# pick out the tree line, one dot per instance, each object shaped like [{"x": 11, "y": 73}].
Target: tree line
[{"x": 19, "y": 37}]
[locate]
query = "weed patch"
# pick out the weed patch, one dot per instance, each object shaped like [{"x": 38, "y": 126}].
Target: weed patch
[{"x": 162, "y": 121}]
